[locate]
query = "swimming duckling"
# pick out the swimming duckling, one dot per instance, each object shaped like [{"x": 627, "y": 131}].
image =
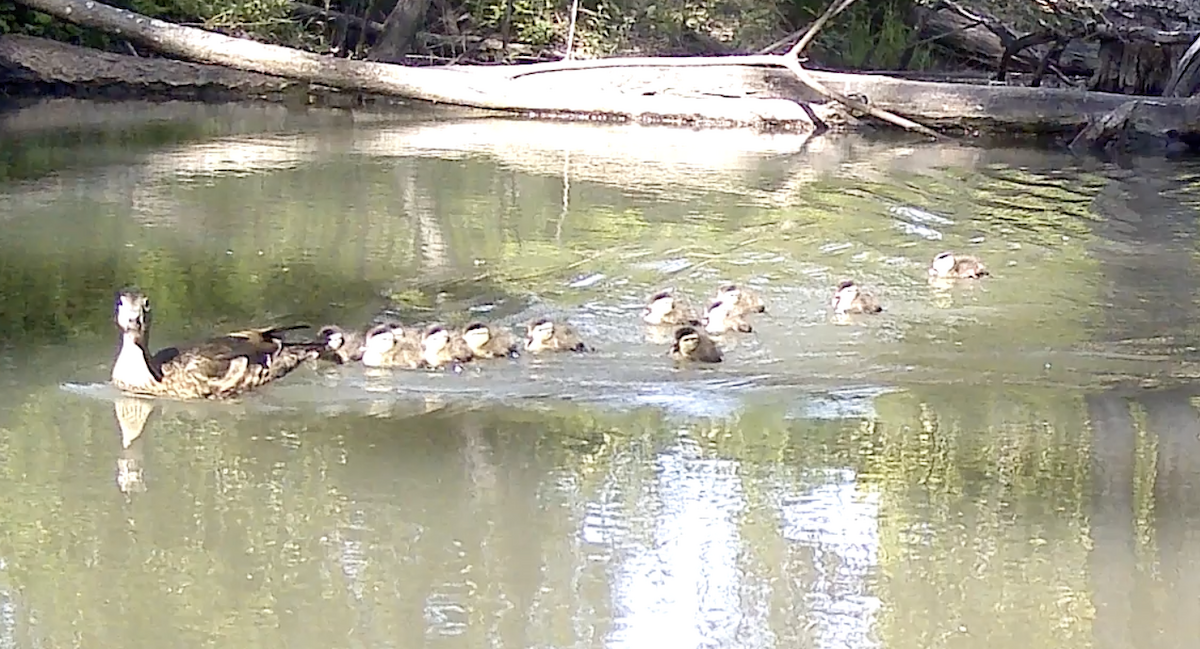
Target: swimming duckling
[
  {"x": 664, "y": 309},
  {"x": 218, "y": 368},
  {"x": 344, "y": 346},
  {"x": 849, "y": 298},
  {"x": 947, "y": 265},
  {"x": 692, "y": 345},
  {"x": 546, "y": 335},
  {"x": 488, "y": 342},
  {"x": 721, "y": 317},
  {"x": 390, "y": 345},
  {"x": 741, "y": 299},
  {"x": 458, "y": 347}
]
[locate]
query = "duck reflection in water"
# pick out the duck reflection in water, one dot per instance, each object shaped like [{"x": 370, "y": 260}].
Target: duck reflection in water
[{"x": 132, "y": 414}]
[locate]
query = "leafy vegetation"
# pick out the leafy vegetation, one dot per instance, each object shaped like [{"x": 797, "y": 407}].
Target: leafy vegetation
[{"x": 870, "y": 34}]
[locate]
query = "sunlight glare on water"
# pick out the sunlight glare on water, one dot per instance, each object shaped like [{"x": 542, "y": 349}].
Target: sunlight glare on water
[{"x": 1006, "y": 463}]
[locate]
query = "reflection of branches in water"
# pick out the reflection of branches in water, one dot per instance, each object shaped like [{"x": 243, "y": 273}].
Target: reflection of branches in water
[
  {"x": 1144, "y": 501},
  {"x": 477, "y": 454},
  {"x": 432, "y": 249},
  {"x": 566, "y": 197},
  {"x": 1145, "y": 242}
]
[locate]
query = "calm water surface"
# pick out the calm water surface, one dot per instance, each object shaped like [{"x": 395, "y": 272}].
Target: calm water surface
[{"x": 1006, "y": 464}]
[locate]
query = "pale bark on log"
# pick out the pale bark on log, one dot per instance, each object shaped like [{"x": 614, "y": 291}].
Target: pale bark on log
[{"x": 1186, "y": 77}]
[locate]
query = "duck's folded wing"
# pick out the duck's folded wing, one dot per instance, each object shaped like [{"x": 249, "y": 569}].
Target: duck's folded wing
[
  {"x": 212, "y": 358},
  {"x": 264, "y": 333}
]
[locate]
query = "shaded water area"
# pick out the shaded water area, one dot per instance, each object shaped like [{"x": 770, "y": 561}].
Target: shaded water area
[{"x": 1010, "y": 463}]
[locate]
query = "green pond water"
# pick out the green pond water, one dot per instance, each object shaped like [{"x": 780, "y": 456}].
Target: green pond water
[{"x": 1010, "y": 463}]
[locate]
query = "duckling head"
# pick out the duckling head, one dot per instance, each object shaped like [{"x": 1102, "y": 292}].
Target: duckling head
[
  {"x": 943, "y": 263},
  {"x": 477, "y": 335},
  {"x": 379, "y": 340},
  {"x": 660, "y": 305},
  {"x": 131, "y": 310},
  {"x": 844, "y": 296},
  {"x": 436, "y": 340},
  {"x": 541, "y": 332},
  {"x": 732, "y": 293},
  {"x": 720, "y": 318},
  {"x": 687, "y": 340},
  {"x": 333, "y": 336}
]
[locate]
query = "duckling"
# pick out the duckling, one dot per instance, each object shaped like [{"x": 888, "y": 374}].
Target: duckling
[
  {"x": 486, "y": 342},
  {"x": 390, "y": 345},
  {"x": 948, "y": 265},
  {"x": 692, "y": 345},
  {"x": 664, "y": 309},
  {"x": 441, "y": 346},
  {"x": 343, "y": 346},
  {"x": 459, "y": 349},
  {"x": 546, "y": 335},
  {"x": 849, "y": 298},
  {"x": 218, "y": 368},
  {"x": 742, "y": 299},
  {"x": 721, "y": 316}
]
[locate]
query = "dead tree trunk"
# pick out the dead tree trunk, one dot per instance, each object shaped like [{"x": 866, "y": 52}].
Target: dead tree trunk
[
  {"x": 400, "y": 31},
  {"x": 460, "y": 86}
]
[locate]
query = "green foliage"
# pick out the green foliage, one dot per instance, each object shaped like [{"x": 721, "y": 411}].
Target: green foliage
[
  {"x": 867, "y": 35},
  {"x": 532, "y": 21},
  {"x": 16, "y": 18},
  {"x": 262, "y": 19},
  {"x": 648, "y": 26}
]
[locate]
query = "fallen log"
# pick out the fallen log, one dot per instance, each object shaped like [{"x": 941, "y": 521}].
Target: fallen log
[
  {"x": 733, "y": 90},
  {"x": 959, "y": 107},
  {"x": 449, "y": 85},
  {"x": 32, "y": 62},
  {"x": 37, "y": 66},
  {"x": 1142, "y": 126}
]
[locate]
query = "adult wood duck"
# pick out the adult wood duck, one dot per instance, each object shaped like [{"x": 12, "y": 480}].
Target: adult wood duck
[{"x": 218, "y": 368}]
